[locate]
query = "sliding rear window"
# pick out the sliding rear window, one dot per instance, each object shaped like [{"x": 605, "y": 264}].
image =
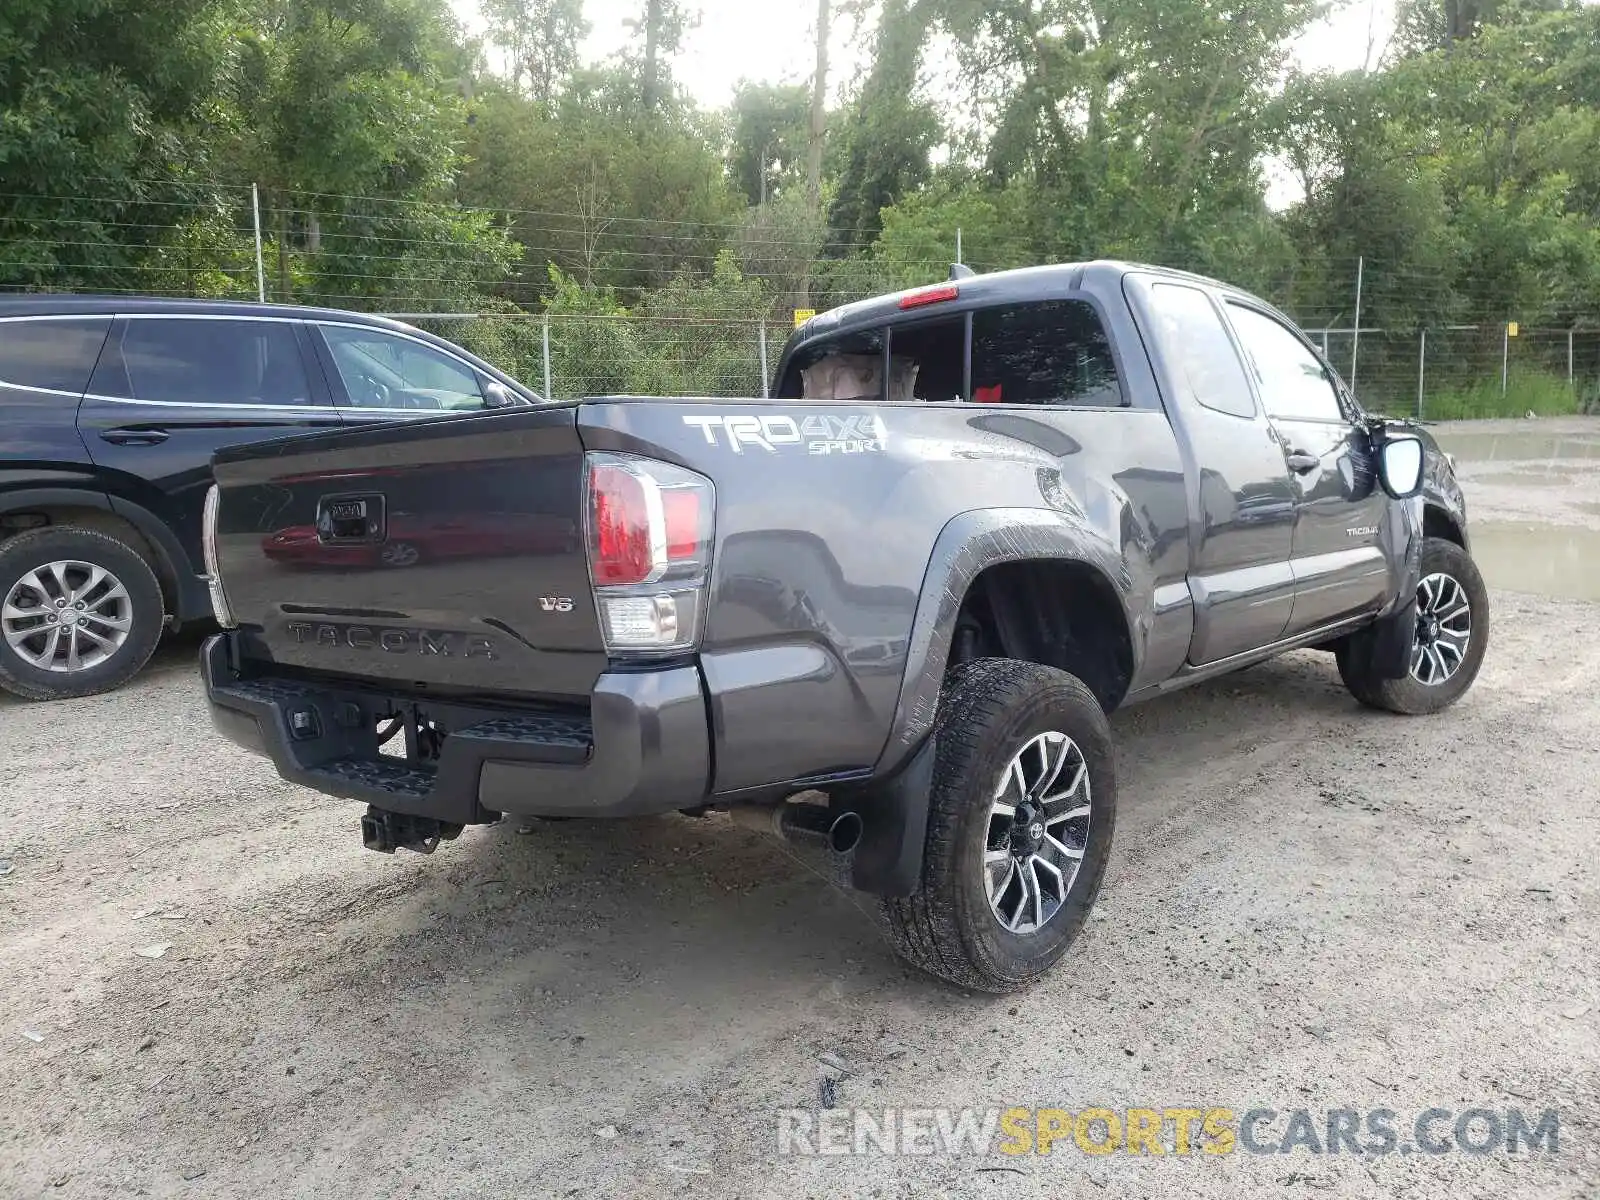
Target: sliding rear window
[{"x": 1045, "y": 352}]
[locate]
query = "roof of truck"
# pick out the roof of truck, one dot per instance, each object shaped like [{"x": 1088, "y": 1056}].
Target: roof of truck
[{"x": 1022, "y": 283}]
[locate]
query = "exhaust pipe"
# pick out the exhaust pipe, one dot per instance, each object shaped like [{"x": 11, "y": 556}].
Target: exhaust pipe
[{"x": 805, "y": 824}]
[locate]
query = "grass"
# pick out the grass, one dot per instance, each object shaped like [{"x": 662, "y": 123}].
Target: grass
[{"x": 1538, "y": 393}]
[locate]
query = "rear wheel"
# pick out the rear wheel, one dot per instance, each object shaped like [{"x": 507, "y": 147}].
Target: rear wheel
[
  {"x": 80, "y": 612},
  {"x": 1447, "y": 649},
  {"x": 1019, "y": 829}
]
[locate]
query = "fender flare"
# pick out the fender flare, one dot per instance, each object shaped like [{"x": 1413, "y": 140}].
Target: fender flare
[
  {"x": 190, "y": 598},
  {"x": 969, "y": 544},
  {"x": 894, "y": 809}
]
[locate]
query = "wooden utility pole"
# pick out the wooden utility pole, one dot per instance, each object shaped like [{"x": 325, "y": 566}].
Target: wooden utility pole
[
  {"x": 819, "y": 119},
  {"x": 652, "y": 36},
  {"x": 819, "y": 111}
]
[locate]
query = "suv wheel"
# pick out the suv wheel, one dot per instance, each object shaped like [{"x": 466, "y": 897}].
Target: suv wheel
[
  {"x": 399, "y": 554},
  {"x": 1019, "y": 827},
  {"x": 1447, "y": 650},
  {"x": 80, "y": 612}
]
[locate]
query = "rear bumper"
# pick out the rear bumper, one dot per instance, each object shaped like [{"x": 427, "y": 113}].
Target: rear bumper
[{"x": 643, "y": 747}]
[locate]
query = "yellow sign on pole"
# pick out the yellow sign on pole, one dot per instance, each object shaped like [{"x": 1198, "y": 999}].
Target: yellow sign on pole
[
  {"x": 1511, "y": 329},
  {"x": 802, "y": 315}
]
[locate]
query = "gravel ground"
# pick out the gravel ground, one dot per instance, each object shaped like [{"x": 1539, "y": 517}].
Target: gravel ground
[{"x": 1308, "y": 906}]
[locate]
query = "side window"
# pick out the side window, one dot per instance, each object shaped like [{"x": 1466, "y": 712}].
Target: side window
[
  {"x": 1193, "y": 335},
  {"x": 1046, "y": 352},
  {"x": 1292, "y": 380},
  {"x": 56, "y": 355},
  {"x": 384, "y": 370},
  {"x": 206, "y": 362}
]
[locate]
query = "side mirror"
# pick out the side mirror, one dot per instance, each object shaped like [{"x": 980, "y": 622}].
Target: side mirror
[
  {"x": 1400, "y": 460},
  {"x": 495, "y": 395}
]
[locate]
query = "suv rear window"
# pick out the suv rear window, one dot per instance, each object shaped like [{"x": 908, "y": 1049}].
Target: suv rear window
[
  {"x": 206, "y": 361},
  {"x": 57, "y": 354}
]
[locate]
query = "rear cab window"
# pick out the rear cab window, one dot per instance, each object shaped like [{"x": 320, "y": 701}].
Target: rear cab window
[
  {"x": 1045, "y": 352},
  {"x": 1053, "y": 352},
  {"x": 51, "y": 354}
]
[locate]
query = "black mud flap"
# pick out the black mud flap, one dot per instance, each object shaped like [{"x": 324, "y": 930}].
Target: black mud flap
[
  {"x": 894, "y": 815},
  {"x": 1386, "y": 644}
]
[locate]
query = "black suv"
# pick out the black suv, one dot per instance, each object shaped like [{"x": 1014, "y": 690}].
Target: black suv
[{"x": 110, "y": 411}]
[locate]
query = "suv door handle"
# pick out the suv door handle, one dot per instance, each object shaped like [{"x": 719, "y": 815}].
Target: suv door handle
[
  {"x": 134, "y": 437},
  {"x": 1300, "y": 461}
]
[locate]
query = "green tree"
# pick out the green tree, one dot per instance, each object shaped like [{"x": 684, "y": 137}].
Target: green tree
[
  {"x": 889, "y": 133},
  {"x": 540, "y": 39},
  {"x": 611, "y": 196},
  {"x": 771, "y": 129},
  {"x": 105, "y": 162},
  {"x": 658, "y": 34},
  {"x": 344, "y": 116}
]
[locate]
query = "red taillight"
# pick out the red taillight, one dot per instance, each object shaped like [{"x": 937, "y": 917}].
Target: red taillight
[
  {"x": 681, "y": 509},
  {"x": 622, "y": 551},
  {"x": 930, "y": 295},
  {"x": 648, "y": 521},
  {"x": 650, "y": 538}
]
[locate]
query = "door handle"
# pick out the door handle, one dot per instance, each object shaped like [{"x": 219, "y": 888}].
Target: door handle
[
  {"x": 1300, "y": 461},
  {"x": 134, "y": 437}
]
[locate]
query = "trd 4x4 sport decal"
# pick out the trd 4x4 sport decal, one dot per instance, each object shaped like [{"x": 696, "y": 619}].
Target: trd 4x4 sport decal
[{"x": 819, "y": 433}]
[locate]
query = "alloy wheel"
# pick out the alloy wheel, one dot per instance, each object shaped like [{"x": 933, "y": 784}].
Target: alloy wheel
[
  {"x": 66, "y": 616},
  {"x": 1444, "y": 629},
  {"x": 1038, "y": 832},
  {"x": 399, "y": 554}
]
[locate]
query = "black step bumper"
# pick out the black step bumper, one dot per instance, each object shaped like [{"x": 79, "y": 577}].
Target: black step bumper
[{"x": 641, "y": 747}]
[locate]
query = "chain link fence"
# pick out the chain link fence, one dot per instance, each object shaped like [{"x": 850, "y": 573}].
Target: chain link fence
[
  {"x": 1459, "y": 371},
  {"x": 1439, "y": 374},
  {"x": 569, "y": 355}
]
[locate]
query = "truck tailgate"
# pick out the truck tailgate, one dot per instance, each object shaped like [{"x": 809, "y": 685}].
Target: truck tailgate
[{"x": 442, "y": 554}]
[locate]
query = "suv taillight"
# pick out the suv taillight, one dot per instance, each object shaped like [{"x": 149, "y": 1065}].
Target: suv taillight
[
  {"x": 650, "y": 534},
  {"x": 208, "y": 546}
]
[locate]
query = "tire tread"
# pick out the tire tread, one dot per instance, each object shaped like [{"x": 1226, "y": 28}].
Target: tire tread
[
  {"x": 142, "y": 639},
  {"x": 925, "y": 927}
]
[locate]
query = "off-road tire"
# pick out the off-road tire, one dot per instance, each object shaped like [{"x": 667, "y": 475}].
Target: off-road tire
[
  {"x": 35, "y": 548},
  {"x": 1410, "y": 696},
  {"x": 990, "y": 709}
]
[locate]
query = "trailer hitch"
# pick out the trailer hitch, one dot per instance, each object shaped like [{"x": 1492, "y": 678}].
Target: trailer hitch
[{"x": 386, "y": 831}]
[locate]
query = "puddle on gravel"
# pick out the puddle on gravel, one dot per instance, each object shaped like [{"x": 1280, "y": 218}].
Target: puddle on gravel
[
  {"x": 1520, "y": 446},
  {"x": 1545, "y": 559},
  {"x": 1553, "y": 478}
]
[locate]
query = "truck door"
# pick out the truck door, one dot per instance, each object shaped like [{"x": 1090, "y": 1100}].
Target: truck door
[
  {"x": 172, "y": 389},
  {"x": 1340, "y": 569},
  {"x": 1241, "y": 499}
]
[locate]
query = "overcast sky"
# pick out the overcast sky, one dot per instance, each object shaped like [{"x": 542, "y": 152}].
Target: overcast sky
[{"x": 772, "y": 41}]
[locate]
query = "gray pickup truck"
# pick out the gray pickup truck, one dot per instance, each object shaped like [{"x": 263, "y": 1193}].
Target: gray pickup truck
[{"x": 885, "y": 612}]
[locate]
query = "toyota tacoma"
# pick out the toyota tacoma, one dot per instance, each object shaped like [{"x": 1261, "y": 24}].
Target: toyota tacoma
[{"x": 885, "y": 611}]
